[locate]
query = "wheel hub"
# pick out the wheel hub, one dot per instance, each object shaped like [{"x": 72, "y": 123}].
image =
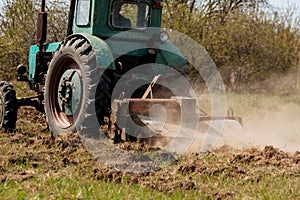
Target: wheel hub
[{"x": 69, "y": 92}]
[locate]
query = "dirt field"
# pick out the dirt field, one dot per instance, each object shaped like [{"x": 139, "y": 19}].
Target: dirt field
[{"x": 33, "y": 165}]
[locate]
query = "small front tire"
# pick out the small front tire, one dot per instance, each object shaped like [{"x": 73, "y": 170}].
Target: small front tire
[{"x": 8, "y": 106}]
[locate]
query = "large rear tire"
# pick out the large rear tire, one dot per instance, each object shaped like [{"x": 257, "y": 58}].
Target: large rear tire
[
  {"x": 8, "y": 106},
  {"x": 71, "y": 87}
]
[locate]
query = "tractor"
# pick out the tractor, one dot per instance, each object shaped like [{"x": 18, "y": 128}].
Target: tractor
[{"x": 74, "y": 79}]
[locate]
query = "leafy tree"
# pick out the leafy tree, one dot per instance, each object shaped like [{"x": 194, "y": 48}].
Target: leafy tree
[
  {"x": 16, "y": 28},
  {"x": 247, "y": 41},
  {"x": 18, "y": 19}
]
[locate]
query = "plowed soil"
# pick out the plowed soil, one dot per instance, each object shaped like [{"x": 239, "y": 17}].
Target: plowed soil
[{"x": 31, "y": 146}]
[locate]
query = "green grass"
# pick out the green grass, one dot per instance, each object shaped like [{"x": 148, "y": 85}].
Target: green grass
[
  {"x": 73, "y": 188},
  {"x": 76, "y": 187}
]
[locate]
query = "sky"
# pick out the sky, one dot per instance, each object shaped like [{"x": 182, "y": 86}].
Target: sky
[
  {"x": 281, "y": 4},
  {"x": 284, "y": 3}
]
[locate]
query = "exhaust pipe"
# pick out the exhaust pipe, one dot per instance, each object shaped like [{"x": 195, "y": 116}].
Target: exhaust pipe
[{"x": 42, "y": 25}]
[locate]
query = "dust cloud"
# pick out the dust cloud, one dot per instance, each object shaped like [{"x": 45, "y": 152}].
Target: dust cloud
[
  {"x": 270, "y": 117},
  {"x": 270, "y": 113},
  {"x": 279, "y": 128}
]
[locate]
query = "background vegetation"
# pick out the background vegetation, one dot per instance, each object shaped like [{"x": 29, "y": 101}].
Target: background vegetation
[
  {"x": 248, "y": 40},
  {"x": 18, "y": 22}
]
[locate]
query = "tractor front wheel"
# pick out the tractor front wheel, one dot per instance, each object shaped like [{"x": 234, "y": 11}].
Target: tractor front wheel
[{"x": 8, "y": 106}]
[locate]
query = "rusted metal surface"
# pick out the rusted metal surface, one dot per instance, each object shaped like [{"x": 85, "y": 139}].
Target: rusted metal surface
[
  {"x": 212, "y": 118},
  {"x": 174, "y": 106},
  {"x": 42, "y": 28},
  {"x": 179, "y": 110},
  {"x": 142, "y": 106}
]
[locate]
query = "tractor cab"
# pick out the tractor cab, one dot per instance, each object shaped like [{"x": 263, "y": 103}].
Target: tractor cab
[
  {"x": 106, "y": 18},
  {"x": 127, "y": 27}
]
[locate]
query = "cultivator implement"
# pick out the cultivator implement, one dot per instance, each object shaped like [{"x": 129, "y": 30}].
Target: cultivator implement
[
  {"x": 176, "y": 113},
  {"x": 146, "y": 117}
]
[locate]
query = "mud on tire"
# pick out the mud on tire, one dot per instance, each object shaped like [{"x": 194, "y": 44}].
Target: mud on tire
[{"x": 8, "y": 106}]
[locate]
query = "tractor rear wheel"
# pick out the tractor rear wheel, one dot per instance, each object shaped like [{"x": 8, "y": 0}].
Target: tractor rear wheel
[
  {"x": 71, "y": 87},
  {"x": 8, "y": 106}
]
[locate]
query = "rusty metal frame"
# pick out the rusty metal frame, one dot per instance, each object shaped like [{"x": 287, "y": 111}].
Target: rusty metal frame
[{"x": 175, "y": 106}]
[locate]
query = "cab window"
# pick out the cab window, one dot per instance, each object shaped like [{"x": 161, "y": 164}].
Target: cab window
[
  {"x": 129, "y": 15},
  {"x": 83, "y": 13}
]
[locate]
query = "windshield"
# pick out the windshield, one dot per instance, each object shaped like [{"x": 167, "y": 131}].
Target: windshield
[{"x": 130, "y": 15}]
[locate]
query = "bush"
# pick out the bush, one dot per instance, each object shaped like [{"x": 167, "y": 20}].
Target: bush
[{"x": 246, "y": 39}]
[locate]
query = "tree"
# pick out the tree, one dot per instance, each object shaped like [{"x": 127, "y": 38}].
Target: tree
[
  {"x": 247, "y": 43},
  {"x": 18, "y": 19}
]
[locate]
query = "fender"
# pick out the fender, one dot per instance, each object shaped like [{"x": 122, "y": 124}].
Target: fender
[{"x": 103, "y": 52}]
